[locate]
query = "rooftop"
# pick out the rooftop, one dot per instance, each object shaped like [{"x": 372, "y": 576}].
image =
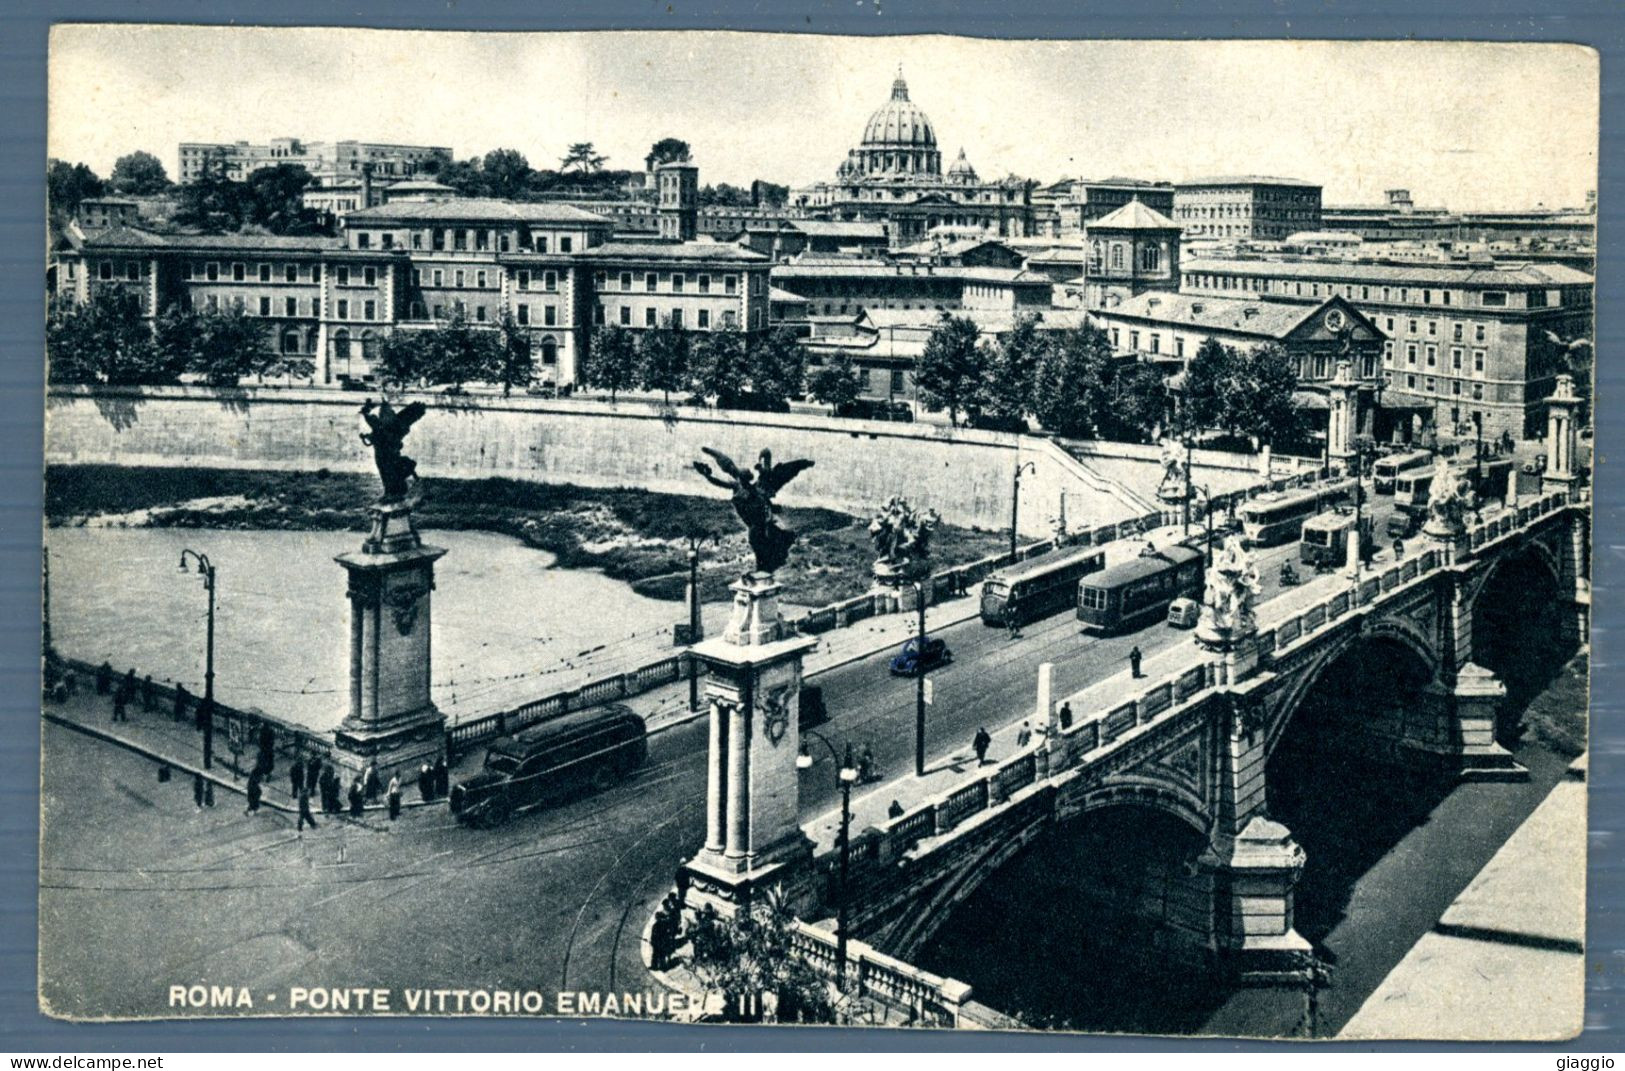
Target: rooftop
[
  {"x": 1272, "y": 319},
  {"x": 475, "y": 209},
  {"x": 1514, "y": 275},
  {"x": 129, "y": 237},
  {"x": 869, "y": 269},
  {"x": 816, "y": 228},
  {"x": 1245, "y": 180},
  {"x": 1134, "y": 216},
  {"x": 656, "y": 250}
]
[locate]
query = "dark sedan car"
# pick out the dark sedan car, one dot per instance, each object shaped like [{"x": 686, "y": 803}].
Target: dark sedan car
[{"x": 915, "y": 659}]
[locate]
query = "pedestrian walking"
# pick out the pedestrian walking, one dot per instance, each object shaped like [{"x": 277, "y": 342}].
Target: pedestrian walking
[
  {"x": 394, "y": 798},
  {"x": 197, "y": 790},
  {"x": 1012, "y": 622},
  {"x": 305, "y": 817},
  {"x": 313, "y": 772},
  {"x": 255, "y": 791},
  {"x": 1399, "y": 549},
  {"x": 118, "y": 706},
  {"x": 1025, "y": 736},
  {"x": 866, "y": 764},
  {"x": 1134, "y": 660},
  {"x": 104, "y": 678},
  {"x": 370, "y": 783},
  {"x": 329, "y": 782},
  {"x": 1066, "y": 716},
  {"x": 358, "y": 798},
  {"x": 895, "y": 810},
  {"x": 149, "y": 694},
  {"x": 181, "y": 697},
  {"x": 980, "y": 743},
  {"x": 296, "y": 778},
  {"x": 267, "y": 745},
  {"x": 425, "y": 783},
  {"x": 442, "y": 777}
]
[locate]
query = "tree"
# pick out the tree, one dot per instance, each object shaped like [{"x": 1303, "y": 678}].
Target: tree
[
  {"x": 724, "y": 195},
  {"x": 403, "y": 358},
  {"x": 769, "y": 194},
  {"x": 514, "y": 363},
  {"x": 458, "y": 353},
  {"x": 950, "y": 369},
  {"x": 66, "y": 185},
  {"x": 225, "y": 347},
  {"x": 778, "y": 367},
  {"x": 665, "y": 151},
  {"x": 1208, "y": 379},
  {"x": 837, "y": 383},
  {"x": 464, "y": 176},
  {"x": 581, "y": 157},
  {"x": 273, "y": 198},
  {"x": 720, "y": 366},
  {"x": 139, "y": 173},
  {"x": 1070, "y": 397},
  {"x": 663, "y": 359},
  {"x": 751, "y": 955},
  {"x": 1012, "y": 376},
  {"x": 1261, "y": 399},
  {"x": 505, "y": 173},
  {"x": 212, "y": 202},
  {"x": 612, "y": 361},
  {"x": 1138, "y": 403},
  {"x": 105, "y": 340}
]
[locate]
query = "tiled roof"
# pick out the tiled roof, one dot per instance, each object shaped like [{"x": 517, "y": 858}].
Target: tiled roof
[
  {"x": 676, "y": 251},
  {"x": 775, "y": 293},
  {"x": 1529, "y": 275},
  {"x": 954, "y": 248},
  {"x": 817, "y": 228},
  {"x": 476, "y": 209},
  {"x": 1272, "y": 319},
  {"x": 1134, "y": 216},
  {"x": 867, "y": 269},
  {"x": 127, "y": 237},
  {"x": 1244, "y": 180}
]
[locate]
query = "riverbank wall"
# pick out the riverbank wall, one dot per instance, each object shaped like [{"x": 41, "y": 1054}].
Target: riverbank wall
[{"x": 966, "y": 475}]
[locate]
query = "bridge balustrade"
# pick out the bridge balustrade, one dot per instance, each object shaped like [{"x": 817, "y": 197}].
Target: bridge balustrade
[
  {"x": 1338, "y": 606},
  {"x": 1117, "y": 722},
  {"x": 1154, "y": 702},
  {"x": 1015, "y": 774},
  {"x": 930, "y": 998},
  {"x": 1190, "y": 682},
  {"x": 1369, "y": 589},
  {"x": 961, "y": 802}
]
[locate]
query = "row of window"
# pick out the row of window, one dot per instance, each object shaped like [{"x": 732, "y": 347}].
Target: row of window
[
  {"x": 290, "y": 307},
  {"x": 464, "y": 239},
  {"x": 1452, "y": 388},
  {"x": 703, "y": 320},
  {"x": 1430, "y": 356},
  {"x": 1489, "y": 299},
  {"x": 1458, "y": 330}
]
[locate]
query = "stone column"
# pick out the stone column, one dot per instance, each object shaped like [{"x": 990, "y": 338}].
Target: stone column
[
  {"x": 392, "y": 721},
  {"x": 716, "y": 781},
  {"x": 1453, "y": 728},
  {"x": 1343, "y": 398},
  {"x": 1561, "y": 437},
  {"x": 738, "y": 781}
]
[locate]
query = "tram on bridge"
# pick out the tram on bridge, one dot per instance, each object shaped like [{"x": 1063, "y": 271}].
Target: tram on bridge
[
  {"x": 1277, "y": 517},
  {"x": 1388, "y": 469},
  {"x": 1038, "y": 587},
  {"x": 1325, "y": 538},
  {"x": 1138, "y": 591},
  {"x": 1488, "y": 479}
]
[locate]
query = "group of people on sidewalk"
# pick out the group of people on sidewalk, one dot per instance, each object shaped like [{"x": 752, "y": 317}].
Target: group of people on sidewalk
[{"x": 315, "y": 777}]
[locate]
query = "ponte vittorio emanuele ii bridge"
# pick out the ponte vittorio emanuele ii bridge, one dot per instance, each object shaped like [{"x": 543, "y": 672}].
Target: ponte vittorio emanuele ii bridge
[{"x": 1191, "y": 742}]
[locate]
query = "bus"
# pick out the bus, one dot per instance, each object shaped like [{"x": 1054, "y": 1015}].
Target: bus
[
  {"x": 1488, "y": 479},
  {"x": 1325, "y": 538},
  {"x": 1387, "y": 468},
  {"x": 587, "y": 749},
  {"x": 1038, "y": 587},
  {"x": 1139, "y": 590},
  {"x": 1278, "y": 516}
]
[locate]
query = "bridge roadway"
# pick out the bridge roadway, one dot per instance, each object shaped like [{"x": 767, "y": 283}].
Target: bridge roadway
[{"x": 553, "y": 900}]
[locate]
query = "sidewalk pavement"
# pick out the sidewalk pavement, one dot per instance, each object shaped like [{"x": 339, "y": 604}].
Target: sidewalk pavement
[
  {"x": 1506, "y": 962},
  {"x": 177, "y": 744}
]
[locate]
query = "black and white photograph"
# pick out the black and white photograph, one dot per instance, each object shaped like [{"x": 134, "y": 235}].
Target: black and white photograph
[{"x": 1070, "y": 536}]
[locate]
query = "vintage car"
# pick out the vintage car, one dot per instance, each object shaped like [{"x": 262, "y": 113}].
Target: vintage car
[{"x": 916, "y": 658}]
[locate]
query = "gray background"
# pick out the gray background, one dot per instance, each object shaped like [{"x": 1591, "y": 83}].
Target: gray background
[{"x": 23, "y": 29}]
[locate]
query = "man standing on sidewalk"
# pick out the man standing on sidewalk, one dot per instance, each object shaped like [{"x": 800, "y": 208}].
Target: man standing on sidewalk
[
  {"x": 980, "y": 743},
  {"x": 394, "y": 798},
  {"x": 255, "y": 791},
  {"x": 1134, "y": 660},
  {"x": 305, "y": 817}
]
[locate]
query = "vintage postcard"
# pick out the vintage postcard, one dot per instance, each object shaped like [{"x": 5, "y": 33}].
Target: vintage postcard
[{"x": 720, "y": 527}]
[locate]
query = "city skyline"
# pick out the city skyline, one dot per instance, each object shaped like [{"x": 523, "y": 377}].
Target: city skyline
[{"x": 1278, "y": 108}]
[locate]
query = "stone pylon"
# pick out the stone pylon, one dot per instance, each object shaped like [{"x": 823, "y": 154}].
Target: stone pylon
[
  {"x": 1343, "y": 404},
  {"x": 753, "y": 835},
  {"x": 1562, "y": 437},
  {"x": 392, "y": 722}
]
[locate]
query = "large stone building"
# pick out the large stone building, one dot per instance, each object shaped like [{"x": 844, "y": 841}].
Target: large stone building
[
  {"x": 556, "y": 270},
  {"x": 847, "y": 286},
  {"x": 1460, "y": 338},
  {"x": 1246, "y": 206},
  {"x": 329, "y": 162},
  {"x": 895, "y": 176},
  {"x": 1074, "y": 204},
  {"x": 1130, "y": 251}
]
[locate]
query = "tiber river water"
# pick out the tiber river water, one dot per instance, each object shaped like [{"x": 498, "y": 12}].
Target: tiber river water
[{"x": 508, "y": 627}]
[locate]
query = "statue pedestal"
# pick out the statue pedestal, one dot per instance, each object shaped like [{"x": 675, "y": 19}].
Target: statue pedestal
[
  {"x": 392, "y": 721},
  {"x": 1239, "y": 646},
  {"x": 753, "y": 692},
  {"x": 1173, "y": 492},
  {"x": 893, "y": 587}
]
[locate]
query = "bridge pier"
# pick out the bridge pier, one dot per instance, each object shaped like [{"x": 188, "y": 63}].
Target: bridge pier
[
  {"x": 753, "y": 836},
  {"x": 1454, "y": 728}
]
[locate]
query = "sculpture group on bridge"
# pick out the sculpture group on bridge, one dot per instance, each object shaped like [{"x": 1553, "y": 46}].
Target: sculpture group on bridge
[
  {"x": 752, "y": 491},
  {"x": 1450, "y": 498},
  {"x": 902, "y": 534},
  {"x": 1176, "y": 472},
  {"x": 384, "y": 428},
  {"x": 1232, "y": 588}
]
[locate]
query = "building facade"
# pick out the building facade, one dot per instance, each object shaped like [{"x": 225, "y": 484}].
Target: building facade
[
  {"x": 329, "y": 162},
  {"x": 1074, "y": 204},
  {"x": 895, "y": 176},
  {"x": 555, "y": 270},
  {"x": 842, "y": 287},
  {"x": 1459, "y": 339},
  {"x": 1246, "y": 206},
  {"x": 1130, "y": 251}
]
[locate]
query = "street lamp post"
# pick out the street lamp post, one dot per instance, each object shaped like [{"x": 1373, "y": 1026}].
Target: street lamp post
[
  {"x": 919, "y": 681},
  {"x": 205, "y": 569},
  {"x": 1478, "y": 450},
  {"x": 1015, "y": 503},
  {"x": 846, "y": 776},
  {"x": 1190, "y": 444},
  {"x": 695, "y": 630}
]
